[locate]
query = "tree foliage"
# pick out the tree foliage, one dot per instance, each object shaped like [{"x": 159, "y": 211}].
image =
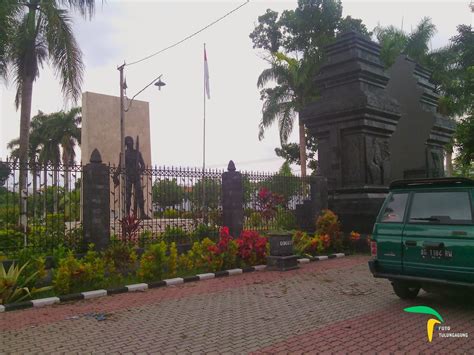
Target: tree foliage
[
  {"x": 395, "y": 41},
  {"x": 284, "y": 183},
  {"x": 167, "y": 193},
  {"x": 293, "y": 45},
  {"x": 53, "y": 137},
  {"x": 290, "y": 153},
  {"x": 33, "y": 33},
  {"x": 212, "y": 191},
  {"x": 452, "y": 72}
]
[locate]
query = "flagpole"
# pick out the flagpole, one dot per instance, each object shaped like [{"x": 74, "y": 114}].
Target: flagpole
[{"x": 204, "y": 145}]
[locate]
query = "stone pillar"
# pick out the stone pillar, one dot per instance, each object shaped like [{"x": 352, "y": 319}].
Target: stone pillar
[
  {"x": 232, "y": 200},
  {"x": 353, "y": 120},
  {"x": 96, "y": 202},
  {"x": 319, "y": 194},
  {"x": 309, "y": 210}
]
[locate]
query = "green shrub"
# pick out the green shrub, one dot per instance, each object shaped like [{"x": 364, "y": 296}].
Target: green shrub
[
  {"x": 285, "y": 219},
  {"x": 144, "y": 238},
  {"x": 256, "y": 220},
  {"x": 203, "y": 230},
  {"x": 152, "y": 262},
  {"x": 75, "y": 275},
  {"x": 328, "y": 224},
  {"x": 171, "y": 213},
  {"x": 175, "y": 234},
  {"x": 9, "y": 215},
  {"x": 216, "y": 217},
  {"x": 188, "y": 215},
  {"x": 120, "y": 259},
  {"x": 14, "y": 284},
  {"x": 11, "y": 239}
]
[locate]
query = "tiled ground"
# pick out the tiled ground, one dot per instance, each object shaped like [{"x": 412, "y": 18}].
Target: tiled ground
[{"x": 328, "y": 306}]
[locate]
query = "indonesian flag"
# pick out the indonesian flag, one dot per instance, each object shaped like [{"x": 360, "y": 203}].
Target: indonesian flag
[{"x": 206, "y": 76}]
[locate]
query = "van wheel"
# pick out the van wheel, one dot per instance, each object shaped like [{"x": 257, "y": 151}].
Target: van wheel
[{"x": 404, "y": 290}]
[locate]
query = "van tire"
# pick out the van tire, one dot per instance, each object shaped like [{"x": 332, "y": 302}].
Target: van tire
[{"x": 405, "y": 291}]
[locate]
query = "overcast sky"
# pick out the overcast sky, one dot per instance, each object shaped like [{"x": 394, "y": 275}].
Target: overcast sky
[{"x": 129, "y": 30}]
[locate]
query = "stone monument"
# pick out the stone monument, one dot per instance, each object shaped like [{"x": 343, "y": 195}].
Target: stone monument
[
  {"x": 353, "y": 121},
  {"x": 373, "y": 128},
  {"x": 417, "y": 146},
  {"x": 101, "y": 131}
]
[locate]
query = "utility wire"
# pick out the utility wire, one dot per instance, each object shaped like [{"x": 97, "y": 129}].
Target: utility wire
[{"x": 190, "y": 36}]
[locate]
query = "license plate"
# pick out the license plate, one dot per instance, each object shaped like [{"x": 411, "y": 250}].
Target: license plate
[{"x": 432, "y": 253}]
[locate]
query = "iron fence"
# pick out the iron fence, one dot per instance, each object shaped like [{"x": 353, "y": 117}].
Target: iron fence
[
  {"x": 270, "y": 200},
  {"x": 178, "y": 204},
  {"x": 43, "y": 213}
]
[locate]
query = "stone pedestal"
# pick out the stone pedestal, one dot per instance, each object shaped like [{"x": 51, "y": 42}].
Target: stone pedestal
[
  {"x": 353, "y": 121},
  {"x": 281, "y": 256},
  {"x": 96, "y": 202},
  {"x": 232, "y": 200}
]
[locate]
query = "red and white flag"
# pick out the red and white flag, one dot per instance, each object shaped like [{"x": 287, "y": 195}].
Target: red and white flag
[{"x": 206, "y": 76}]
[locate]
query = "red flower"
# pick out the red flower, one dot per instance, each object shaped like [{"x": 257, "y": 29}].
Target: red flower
[
  {"x": 224, "y": 232},
  {"x": 213, "y": 249}
]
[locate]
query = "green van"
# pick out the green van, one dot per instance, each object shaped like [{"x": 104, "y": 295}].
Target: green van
[{"x": 424, "y": 236}]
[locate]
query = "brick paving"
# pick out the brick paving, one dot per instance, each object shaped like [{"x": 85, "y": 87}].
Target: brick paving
[{"x": 329, "y": 306}]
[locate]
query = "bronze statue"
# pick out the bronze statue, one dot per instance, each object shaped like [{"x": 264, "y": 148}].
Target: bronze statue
[{"x": 134, "y": 168}]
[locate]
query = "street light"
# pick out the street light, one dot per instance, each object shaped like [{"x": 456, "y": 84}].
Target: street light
[{"x": 157, "y": 81}]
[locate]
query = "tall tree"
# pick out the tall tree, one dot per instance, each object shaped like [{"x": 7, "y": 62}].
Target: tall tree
[
  {"x": 395, "y": 41},
  {"x": 453, "y": 71},
  {"x": 67, "y": 131},
  {"x": 40, "y": 31},
  {"x": 53, "y": 139},
  {"x": 284, "y": 102},
  {"x": 293, "y": 46}
]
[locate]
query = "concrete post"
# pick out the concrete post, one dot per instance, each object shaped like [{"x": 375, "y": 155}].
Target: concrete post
[
  {"x": 96, "y": 202},
  {"x": 233, "y": 200}
]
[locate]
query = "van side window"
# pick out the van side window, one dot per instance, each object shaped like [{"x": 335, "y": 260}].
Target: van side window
[
  {"x": 395, "y": 208},
  {"x": 441, "y": 208}
]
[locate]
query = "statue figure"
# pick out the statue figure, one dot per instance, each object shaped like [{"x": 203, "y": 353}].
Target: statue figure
[
  {"x": 379, "y": 162},
  {"x": 134, "y": 167},
  {"x": 436, "y": 167}
]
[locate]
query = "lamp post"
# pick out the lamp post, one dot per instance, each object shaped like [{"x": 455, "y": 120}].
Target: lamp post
[{"x": 157, "y": 81}]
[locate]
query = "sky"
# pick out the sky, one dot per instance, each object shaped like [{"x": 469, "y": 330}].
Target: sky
[{"x": 125, "y": 31}]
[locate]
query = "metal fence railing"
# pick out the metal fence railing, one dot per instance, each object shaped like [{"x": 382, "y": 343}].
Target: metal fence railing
[
  {"x": 270, "y": 200},
  {"x": 43, "y": 213},
  {"x": 179, "y": 204},
  {"x": 164, "y": 203}
]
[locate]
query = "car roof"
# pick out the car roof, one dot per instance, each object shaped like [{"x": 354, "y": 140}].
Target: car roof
[{"x": 438, "y": 182}]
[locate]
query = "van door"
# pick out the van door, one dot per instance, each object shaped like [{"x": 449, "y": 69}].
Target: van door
[
  {"x": 388, "y": 232},
  {"x": 438, "y": 239}
]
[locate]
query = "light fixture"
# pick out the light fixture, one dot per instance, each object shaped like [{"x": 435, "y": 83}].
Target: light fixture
[{"x": 160, "y": 84}]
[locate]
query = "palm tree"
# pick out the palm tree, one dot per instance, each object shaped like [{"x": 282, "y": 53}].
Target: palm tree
[
  {"x": 283, "y": 102},
  {"x": 65, "y": 130},
  {"x": 39, "y": 31},
  {"x": 8, "y": 13},
  {"x": 395, "y": 41}
]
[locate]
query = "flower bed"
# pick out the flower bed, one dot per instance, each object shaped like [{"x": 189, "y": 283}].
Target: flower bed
[{"x": 120, "y": 264}]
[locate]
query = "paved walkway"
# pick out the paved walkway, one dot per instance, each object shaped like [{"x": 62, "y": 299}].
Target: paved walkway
[{"x": 327, "y": 306}]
